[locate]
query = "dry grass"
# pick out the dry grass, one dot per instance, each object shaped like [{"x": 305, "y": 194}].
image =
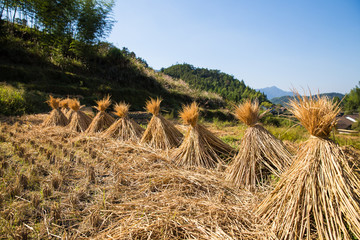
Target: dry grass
[
  {"x": 56, "y": 116},
  {"x": 318, "y": 196},
  {"x": 260, "y": 153},
  {"x": 71, "y": 186},
  {"x": 200, "y": 148},
  {"x": 102, "y": 120},
  {"x": 160, "y": 133},
  {"x": 79, "y": 121},
  {"x": 124, "y": 129}
]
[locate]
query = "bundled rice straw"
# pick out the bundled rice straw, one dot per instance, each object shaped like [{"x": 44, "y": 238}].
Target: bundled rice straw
[
  {"x": 56, "y": 117},
  {"x": 200, "y": 147},
  {"x": 160, "y": 133},
  {"x": 79, "y": 121},
  {"x": 317, "y": 197},
  {"x": 260, "y": 153},
  {"x": 64, "y": 104},
  {"x": 125, "y": 128},
  {"x": 102, "y": 120}
]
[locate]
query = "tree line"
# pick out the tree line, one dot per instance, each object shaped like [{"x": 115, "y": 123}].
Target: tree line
[
  {"x": 216, "y": 81},
  {"x": 351, "y": 102},
  {"x": 87, "y": 21}
]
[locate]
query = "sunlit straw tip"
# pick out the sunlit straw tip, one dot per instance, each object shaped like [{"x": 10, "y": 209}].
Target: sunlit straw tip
[
  {"x": 103, "y": 104},
  {"x": 190, "y": 114},
  {"x": 121, "y": 109},
  {"x": 316, "y": 113},
  {"x": 53, "y": 102},
  {"x": 153, "y": 106},
  {"x": 248, "y": 112},
  {"x": 74, "y": 104}
]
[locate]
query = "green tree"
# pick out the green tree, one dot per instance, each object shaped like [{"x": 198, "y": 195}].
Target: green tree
[
  {"x": 352, "y": 100},
  {"x": 94, "y": 22},
  {"x": 214, "y": 81}
]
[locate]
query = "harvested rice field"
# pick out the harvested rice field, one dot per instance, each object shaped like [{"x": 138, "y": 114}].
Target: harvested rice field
[{"x": 62, "y": 184}]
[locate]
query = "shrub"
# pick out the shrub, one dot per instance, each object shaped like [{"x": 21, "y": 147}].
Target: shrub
[{"x": 12, "y": 100}]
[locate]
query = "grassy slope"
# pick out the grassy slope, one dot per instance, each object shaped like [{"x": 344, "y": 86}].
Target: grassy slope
[{"x": 26, "y": 62}]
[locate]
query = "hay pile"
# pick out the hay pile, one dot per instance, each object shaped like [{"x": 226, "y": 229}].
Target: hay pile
[
  {"x": 260, "y": 153},
  {"x": 200, "y": 147},
  {"x": 56, "y": 116},
  {"x": 79, "y": 121},
  {"x": 102, "y": 120},
  {"x": 318, "y": 196},
  {"x": 124, "y": 129},
  {"x": 155, "y": 200},
  {"x": 160, "y": 133}
]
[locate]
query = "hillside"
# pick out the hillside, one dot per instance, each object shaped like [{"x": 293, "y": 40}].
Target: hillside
[
  {"x": 215, "y": 81},
  {"x": 273, "y": 92},
  {"x": 86, "y": 71},
  {"x": 285, "y": 99}
]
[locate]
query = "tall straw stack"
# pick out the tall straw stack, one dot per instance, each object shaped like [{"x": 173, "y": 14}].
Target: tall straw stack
[
  {"x": 318, "y": 196},
  {"x": 56, "y": 116},
  {"x": 79, "y": 121},
  {"x": 102, "y": 120},
  {"x": 124, "y": 129},
  {"x": 160, "y": 133},
  {"x": 200, "y": 147},
  {"x": 260, "y": 153}
]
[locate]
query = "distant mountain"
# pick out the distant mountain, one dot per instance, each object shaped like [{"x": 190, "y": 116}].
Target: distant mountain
[
  {"x": 274, "y": 92},
  {"x": 285, "y": 99}
]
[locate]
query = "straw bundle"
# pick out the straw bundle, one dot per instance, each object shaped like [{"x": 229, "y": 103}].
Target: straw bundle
[
  {"x": 317, "y": 197},
  {"x": 200, "y": 147},
  {"x": 56, "y": 117},
  {"x": 160, "y": 133},
  {"x": 260, "y": 153},
  {"x": 64, "y": 104},
  {"x": 102, "y": 120},
  {"x": 125, "y": 128},
  {"x": 79, "y": 120}
]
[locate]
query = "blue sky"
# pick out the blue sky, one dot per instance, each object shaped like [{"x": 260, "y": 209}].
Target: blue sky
[{"x": 303, "y": 44}]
